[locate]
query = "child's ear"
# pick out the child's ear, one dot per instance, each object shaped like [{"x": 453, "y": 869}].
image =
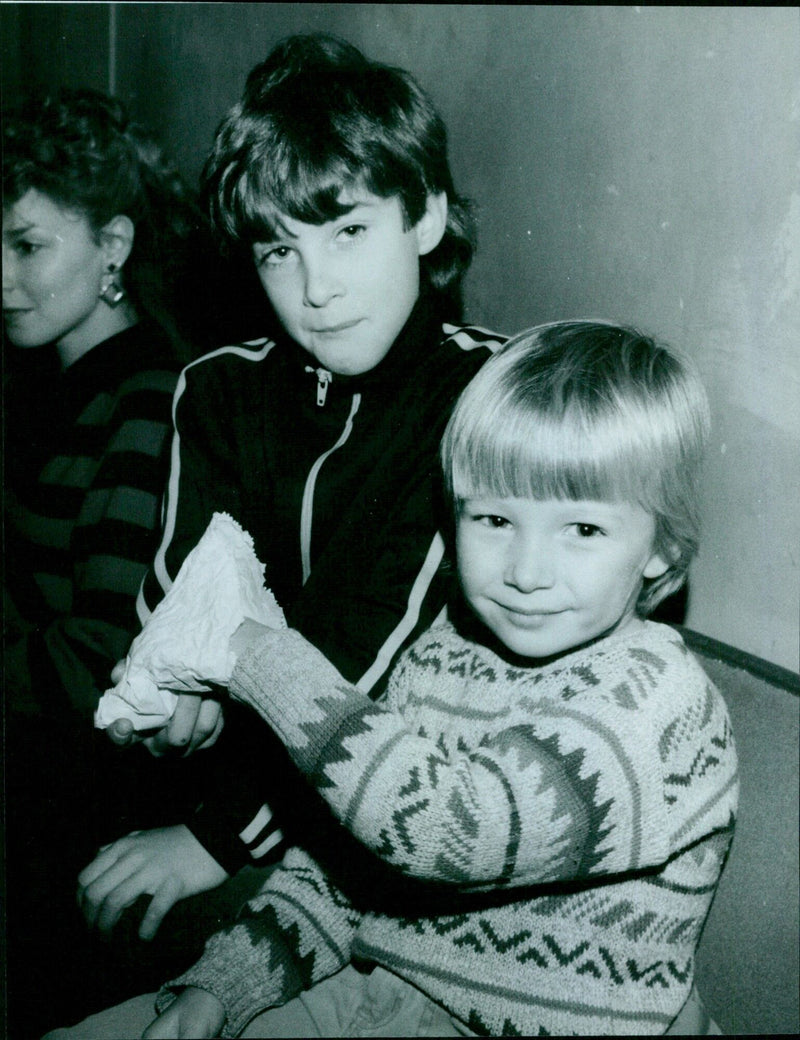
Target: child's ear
[
  {"x": 656, "y": 566},
  {"x": 116, "y": 238},
  {"x": 430, "y": 227}
]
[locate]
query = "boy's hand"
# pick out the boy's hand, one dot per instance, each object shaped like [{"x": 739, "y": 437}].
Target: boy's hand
[
  {"x": 195, "y": 724},
  {"x": 194, "y": 1014},
  {"x": 168, "y": 863}
]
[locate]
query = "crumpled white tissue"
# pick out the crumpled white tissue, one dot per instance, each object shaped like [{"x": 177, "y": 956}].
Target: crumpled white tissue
[{"x": 183, "y": 646}]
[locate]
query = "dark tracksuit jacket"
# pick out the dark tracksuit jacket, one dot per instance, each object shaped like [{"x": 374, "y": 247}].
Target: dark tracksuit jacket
[{"x": 335, "y": 478}]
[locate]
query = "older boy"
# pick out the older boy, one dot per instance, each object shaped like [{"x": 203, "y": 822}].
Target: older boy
[{"x": 321, "y": 442}]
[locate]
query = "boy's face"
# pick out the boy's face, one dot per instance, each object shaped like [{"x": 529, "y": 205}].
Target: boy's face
[
  {"x": 344, "y": 289},
  {"x": 546, "y": 577}
]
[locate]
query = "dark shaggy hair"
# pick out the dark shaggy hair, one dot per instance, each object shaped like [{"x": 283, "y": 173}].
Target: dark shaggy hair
[{"x": 317, "y": 117}]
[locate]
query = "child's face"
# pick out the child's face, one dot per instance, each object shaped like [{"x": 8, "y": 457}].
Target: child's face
[
  {"x": 546, "y": 577},
  {"x": 344, "y": 289}
]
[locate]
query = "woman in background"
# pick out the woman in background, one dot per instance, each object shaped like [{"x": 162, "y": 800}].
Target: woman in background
[{"x": 97, "y": 229}]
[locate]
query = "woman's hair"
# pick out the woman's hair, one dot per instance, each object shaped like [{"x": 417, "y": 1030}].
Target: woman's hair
[
  {"x": 317, "y": 118},
  {"x": 587, "y": 410},
  {"x": 80, "y": 150}
]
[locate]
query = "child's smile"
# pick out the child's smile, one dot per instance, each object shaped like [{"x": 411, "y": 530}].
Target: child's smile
[{"x": 546, "y": 577}]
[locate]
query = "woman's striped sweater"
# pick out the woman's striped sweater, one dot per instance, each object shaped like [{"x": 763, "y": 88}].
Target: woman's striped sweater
[
  {"x": 82, "y": 509},
  {"x": 542, "y": 843}
]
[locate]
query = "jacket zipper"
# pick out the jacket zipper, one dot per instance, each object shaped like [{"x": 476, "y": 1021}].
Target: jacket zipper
[
  {"x": 323, "y": 379},
  {"x": 307, "y": 507}
]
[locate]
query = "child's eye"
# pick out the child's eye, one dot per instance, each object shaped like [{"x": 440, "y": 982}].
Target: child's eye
[
  {"x": 273, "y": 257},
  {"x": 491, "y": 520},
  {"x": 352, "y": 231},
  {"x": 587, "y": 530}
]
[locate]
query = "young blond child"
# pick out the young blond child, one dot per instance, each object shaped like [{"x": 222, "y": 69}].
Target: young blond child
[{"x": 545, "y": 796}]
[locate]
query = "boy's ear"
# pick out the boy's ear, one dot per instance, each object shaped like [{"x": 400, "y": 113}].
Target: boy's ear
[
  {"x": 116, "y": 238},
  {"x": 656, "y": 566},
  {"x": 430, "y": 227}
]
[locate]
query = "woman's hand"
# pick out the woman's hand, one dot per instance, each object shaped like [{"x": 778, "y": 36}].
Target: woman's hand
[{"x": 194, "y": 1015}]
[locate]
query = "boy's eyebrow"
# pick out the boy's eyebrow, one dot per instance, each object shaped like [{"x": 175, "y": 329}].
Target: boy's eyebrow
[{"x": 281, "y": 231}]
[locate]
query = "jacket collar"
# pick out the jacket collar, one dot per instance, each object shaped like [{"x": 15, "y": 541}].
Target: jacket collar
[{"x": 421, "y": 330}]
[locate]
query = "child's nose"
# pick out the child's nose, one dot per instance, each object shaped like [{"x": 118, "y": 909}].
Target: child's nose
[
  {"x": 528, "y": 565},
  {"x": 321, "y": 283}
]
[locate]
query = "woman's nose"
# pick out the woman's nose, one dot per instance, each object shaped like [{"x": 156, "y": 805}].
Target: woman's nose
[{"x": 9, "y": 271}]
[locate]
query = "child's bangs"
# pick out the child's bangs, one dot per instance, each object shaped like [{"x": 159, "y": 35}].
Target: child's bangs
[
  {"x": 517, "y": 455},
  {"x": 294, "y": 185}
]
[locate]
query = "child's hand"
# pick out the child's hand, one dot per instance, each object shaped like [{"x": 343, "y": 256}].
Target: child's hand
[
  {"x": 168, "y": 863},
  {"x": 245, "y": 635},
  {"x": 194, "y": 1014},
  {"x": 195, "y": 724}
]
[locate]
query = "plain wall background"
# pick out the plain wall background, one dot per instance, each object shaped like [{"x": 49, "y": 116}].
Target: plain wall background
[{"x": 633, "y": 163}]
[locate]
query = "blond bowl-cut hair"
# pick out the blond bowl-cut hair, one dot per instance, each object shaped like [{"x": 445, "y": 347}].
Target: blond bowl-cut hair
[{"x": 587, "y": 410}]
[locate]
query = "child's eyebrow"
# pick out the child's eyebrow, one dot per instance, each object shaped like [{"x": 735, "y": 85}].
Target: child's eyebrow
[{"x": 280, "y": 231}]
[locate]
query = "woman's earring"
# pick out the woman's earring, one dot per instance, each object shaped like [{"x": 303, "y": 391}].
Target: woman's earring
[{"x": 111, "y": 292}]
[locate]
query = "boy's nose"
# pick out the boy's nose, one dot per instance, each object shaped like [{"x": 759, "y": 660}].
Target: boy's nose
[
  {"x": 321, "y": 284},
  {"x": 528, "y": 566}
]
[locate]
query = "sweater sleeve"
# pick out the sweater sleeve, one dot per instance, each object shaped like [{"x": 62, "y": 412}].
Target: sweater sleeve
[
  {"x": 568, "y": 786},
  {"x": 296, "y": 932},
  {"x": 67, "y": 663}
]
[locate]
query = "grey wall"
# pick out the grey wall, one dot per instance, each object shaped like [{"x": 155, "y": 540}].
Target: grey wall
[{"x": 633, "y": 163}]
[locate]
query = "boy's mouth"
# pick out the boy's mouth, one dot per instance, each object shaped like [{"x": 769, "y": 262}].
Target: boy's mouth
[
  {"x": 530, "y": 617},
  {"x": 332, "y": 330}
]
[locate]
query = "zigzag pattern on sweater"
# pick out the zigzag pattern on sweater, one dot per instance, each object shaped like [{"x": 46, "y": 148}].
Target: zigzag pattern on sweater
[{"x": 478, "y": 935}]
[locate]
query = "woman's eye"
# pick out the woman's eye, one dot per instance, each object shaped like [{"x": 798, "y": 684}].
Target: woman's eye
[{"x": 25, "y": 248}]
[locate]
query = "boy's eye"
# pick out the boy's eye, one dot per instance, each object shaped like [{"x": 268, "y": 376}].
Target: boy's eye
[
  {"x": 587, "y": 530},
  {"x": 491, "y": 520},
  {"x": 352, "y": 231},
  {"x": 273, "y": 257}
]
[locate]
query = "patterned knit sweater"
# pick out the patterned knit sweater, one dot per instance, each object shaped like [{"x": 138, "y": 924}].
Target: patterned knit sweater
[{"x": 553, "y": 835}]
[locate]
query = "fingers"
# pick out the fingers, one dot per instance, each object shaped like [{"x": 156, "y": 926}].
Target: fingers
[
  {"x": 111, "y": 883},
  {"x": 105, "y": 858},
  {"x": 196, "y": 722},
  {"x": 166, "y": 896},
  {"x": 215, "y": 734},
  {"x": 121, "y": 732},
  {"x": 118, "y": 671},
  {"x": 208, "y": 725},
  {"x": 184, "y": 719}
]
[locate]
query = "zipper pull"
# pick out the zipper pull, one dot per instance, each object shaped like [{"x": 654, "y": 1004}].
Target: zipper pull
[{"x": 323, "y": 379}]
